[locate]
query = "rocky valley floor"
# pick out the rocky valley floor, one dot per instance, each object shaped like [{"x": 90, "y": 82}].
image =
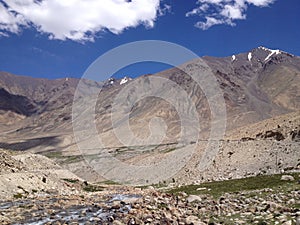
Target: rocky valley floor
[{"x": 258, "y": 200}]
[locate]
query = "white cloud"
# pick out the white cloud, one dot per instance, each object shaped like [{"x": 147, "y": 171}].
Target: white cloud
[
  {"x": 9, "y": 21},
  {"x": 78, "y": 20},
  {"x": 261, "y": 3},
  {"x": 164, "y": 10},
  {"x": 210, "y": 21},
  {"x": 201, "y": 8},
  {"x": 215, "y": 12},
  {"x": 233, "y": 12}
]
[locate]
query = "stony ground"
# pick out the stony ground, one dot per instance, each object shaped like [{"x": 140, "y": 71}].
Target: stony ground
[
  {"x": 130, "y": 205},
  {"x": 22, "y": 174},
  {"x": 34, "y": 190}
]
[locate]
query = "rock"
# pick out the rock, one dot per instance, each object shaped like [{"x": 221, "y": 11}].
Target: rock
[
  {"x": 184, "y": 194},
  {"x": 291, "y": 201},
  {"x": 193, "y": 198},
  {"x": 117, "y": 222},
  {"x": 201, "y": 189},
  {"x": 116, "y": 205},
  {"x": 295, "y": 135},
  {"x": 132, "y": 200},
  {"x": 193, "y": 220},
  {"x": 149, "y": 220},
  {"x": 298, "y": 221},
  {"x": 131, "y": 221},
  {"x": 282, "y": 218},
  {"x": 96, "y": 219},
  {"x": 289, "y": 222},
  {"x": 20, "y": 191},
  {"x": 272, "y": 206},
  {"x": 83, "y": 213},
  {"x": 241, "y": 222},
  {"x": 149, "y": 207},
  {"x": 287, "y": 178},
  {"x": 4, "y": 220}
]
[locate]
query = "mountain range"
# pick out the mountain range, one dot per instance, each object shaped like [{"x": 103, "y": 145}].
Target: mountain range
[{"x": 260, "y": 89}]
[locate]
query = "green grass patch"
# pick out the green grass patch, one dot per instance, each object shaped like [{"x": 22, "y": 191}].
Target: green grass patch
[
  {"x": 62, "y": 159},
  {"x": 18, "y": 195},
  {"x": 296, "y": 206},
  {"x": 52, "y": 154},
  {"x": 169, "y": 150},
  {"x": 92, "y": 188},
  {"x": 73, "y": 181},
  {"x": 71, "y": 159},
  {"x": 218, "y": 188},
  {"x": 109, "y": 182}
]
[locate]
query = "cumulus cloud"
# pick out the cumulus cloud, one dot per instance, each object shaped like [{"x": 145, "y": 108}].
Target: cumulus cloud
[
  {"x": 214, "y": 12},
  {"x": 78, "y": 20}
]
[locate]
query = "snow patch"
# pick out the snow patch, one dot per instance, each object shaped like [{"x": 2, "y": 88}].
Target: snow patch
[
  {"x": 111, "y": 80},
  {"x": 249, "y": 56},
  {"x": 233, "y": 58},
  {"x": 264, "y": 48},
  {"x": 124, "y": 80},
  {"x": 272, "y": 53}
]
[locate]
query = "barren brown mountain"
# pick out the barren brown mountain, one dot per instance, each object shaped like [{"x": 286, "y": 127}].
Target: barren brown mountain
[{"x": 262, "y": 97}]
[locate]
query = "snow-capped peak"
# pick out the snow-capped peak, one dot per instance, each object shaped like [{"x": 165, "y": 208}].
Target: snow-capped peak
[
  {"x": 264, "y": 48},
  {"x": 124, "y": 80},
  {"x": 271, "y": 52},
  {"x": 249, "y": 56},
  {"x": 233, "y": 58}
]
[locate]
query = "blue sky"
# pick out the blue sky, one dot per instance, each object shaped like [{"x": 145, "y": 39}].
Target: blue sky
[{"x": 51, "y": 40}]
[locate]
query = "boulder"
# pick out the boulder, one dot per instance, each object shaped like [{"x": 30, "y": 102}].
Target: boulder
[
  {"x": 193, "y": 198},
  {"x": 117, "y": 222},
  {"x": 287, "y": 178},
  {"x": 193, "y": 220}
]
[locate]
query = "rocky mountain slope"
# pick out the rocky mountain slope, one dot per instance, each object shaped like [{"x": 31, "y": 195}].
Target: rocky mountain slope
[{"x": 258, "y": 86}]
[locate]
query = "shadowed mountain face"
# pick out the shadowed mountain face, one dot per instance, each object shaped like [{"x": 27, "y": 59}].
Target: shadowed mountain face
[
  {"x": 16, "y": 103},
  {"x": 256, "y": 85}
]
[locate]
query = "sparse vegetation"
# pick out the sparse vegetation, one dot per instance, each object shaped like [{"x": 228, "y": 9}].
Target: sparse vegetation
[
  {"x": 71, "y": 180},
  {"x": 92, "y": 188},
  {"x": 109, "y": 182},
  {"x": 218, "y": 188},
  {"x": 169, "y": 150},
  {"x": 53, "y": 154},
  {"x": 62, "y": 159},
  {"x": 18, "y": 195}
]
